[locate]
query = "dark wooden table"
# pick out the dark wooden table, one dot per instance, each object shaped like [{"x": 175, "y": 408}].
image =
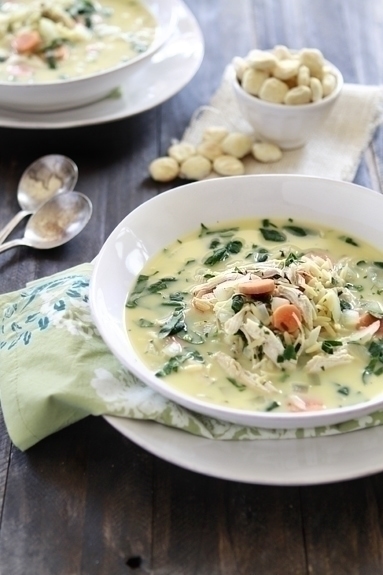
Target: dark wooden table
[{"x": 89, "y": 501}]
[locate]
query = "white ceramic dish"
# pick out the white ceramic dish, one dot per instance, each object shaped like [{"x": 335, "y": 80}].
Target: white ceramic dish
[
  {"x": 66, "y": 94},
  {"x": 289, "y": 127},
  {"x": 281, "y": 462},
  {"x": 157, "y": 80},
  {"x": 347, "y": 207}
]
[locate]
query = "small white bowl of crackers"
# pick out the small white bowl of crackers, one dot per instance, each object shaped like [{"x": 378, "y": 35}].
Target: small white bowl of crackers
[{"x": 285, "y": 95}]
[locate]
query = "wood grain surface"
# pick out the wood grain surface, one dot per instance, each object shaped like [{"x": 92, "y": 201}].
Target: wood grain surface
[{"x": 87, "y": 501}]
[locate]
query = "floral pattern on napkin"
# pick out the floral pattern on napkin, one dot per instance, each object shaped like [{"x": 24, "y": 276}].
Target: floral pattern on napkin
[{"x": 55, "y": 369}]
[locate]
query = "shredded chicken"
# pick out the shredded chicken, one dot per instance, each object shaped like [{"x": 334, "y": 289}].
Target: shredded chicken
[
  {"x": 325, "y": 361},
  {"x": 310, "y": 287},
  {"x": 234, "y": 369}
]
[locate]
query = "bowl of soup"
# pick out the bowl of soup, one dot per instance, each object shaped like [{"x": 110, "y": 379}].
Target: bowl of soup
[
  {"x": 61, "y": 54},
  {"x": 252, "y": 299}
]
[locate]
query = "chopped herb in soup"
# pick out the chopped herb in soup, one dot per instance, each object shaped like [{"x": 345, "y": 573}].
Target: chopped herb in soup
[
  {"x": 263, "y": 315},
  {"x": 48, "y": 40}
]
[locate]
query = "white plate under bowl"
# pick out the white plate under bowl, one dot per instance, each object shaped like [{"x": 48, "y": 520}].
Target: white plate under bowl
[
  {"x": 158, "y": 78},
  {"x": 309, "y": 461},
  {"x": 157, "y": 223}
]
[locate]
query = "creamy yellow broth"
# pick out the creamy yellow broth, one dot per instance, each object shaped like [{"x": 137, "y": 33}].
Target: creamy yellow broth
[
  {"x": 64, "y": 39},
  {"x": 181, "y": 341}
]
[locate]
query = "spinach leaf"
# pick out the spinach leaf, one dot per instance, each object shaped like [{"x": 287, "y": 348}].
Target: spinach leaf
[
  {"x": 344, "y": 390},
  {"x": 272, "y": 405},
  {"x": 259, "y": 254},
  {"x": 172, "y": 303},
  {"x": 174, "y": 324},
  {"x": 219, "y": 255},
  {"x": 234, "y": 247},
  {"x": 51, "y": 60},
  {"x": 296, "y": 230},
  {"x": 81, "y": 7},
  {"x": 273, "y": 235},
  {"x": 290, "y": 259},
  {"x": 176, "y": 296},
  {"x": 375, "y": 349},
  {"x": 191, "y": 337},
  {"x": 375, "y": 365},
  {"x": 56, "y": 43},
  {"x": 222, "y": 253},
  {"x": 356, "y": 287},
  {"x": 329, "y": 344},
  {"x": 175, "y": 362},
  {"x": 140, "y": 284},
  {"x": 205, "y": 231},
  {"x": 237, "y": 302},
  {"x": 142, "y": 288},
  {"x": 349, "y": 240},
  {"x": 262, "y": 257},
  {"x": 160, "y": 285},
  {"x": 267, "y": 224},
  {"x": 288, "y": 354},
  {"x": 239, "y": 386}
]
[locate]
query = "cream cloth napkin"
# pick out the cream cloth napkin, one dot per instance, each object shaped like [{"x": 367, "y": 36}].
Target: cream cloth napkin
[{"x": 335, "y": 149}]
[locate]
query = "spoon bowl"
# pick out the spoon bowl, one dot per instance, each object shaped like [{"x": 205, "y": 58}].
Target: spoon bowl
[
  {"x": 43, "y": 179},
  {"x": 56, "y": 222}
]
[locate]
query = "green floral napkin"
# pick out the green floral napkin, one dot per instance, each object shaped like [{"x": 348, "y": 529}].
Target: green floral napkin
[{"x": 55, "y": 369}]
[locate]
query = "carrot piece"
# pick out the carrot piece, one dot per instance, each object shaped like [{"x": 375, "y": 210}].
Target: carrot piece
[
  {"x": 257, "y": 287},
  {"x": 26, "y": 42},
  {"x": 298, "y": 403},
  {"x": 287, "y": 318},
  {"x": 367, "y": 319}
]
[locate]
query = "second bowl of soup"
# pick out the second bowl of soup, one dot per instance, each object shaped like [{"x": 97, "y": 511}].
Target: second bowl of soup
[{"x": 56, "y": 55}]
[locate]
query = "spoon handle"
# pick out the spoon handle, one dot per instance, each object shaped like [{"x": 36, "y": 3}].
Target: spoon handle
[
  {"x": 12, "y": 244},
  {"x": 12, "y": 224}
]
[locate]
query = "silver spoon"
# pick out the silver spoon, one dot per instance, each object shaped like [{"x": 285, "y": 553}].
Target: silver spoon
[
  {"x": 46, "y": 177},
  {"x": 57, "y": 221}
]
